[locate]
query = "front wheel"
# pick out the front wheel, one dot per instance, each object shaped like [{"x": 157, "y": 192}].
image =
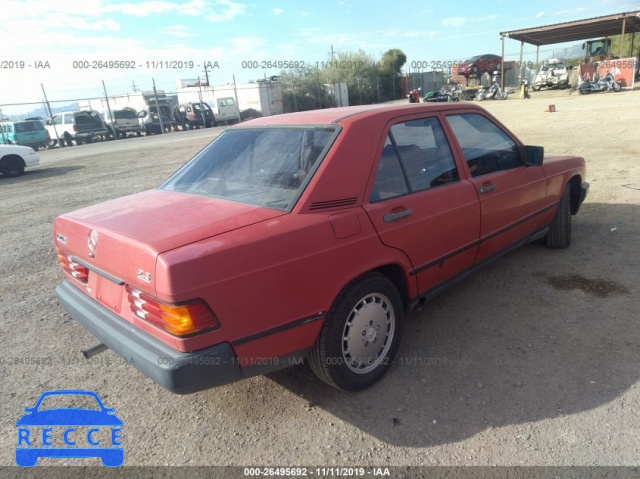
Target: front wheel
[
  {"x": 559, "y": 235},
  {"x": 616, "y": 86},
  {"x": 481, "y": 95},
  {"x": 11, "y": 166},
  {"x": 361, "y": 334}
]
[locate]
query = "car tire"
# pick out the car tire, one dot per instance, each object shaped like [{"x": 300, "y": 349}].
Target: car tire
[
  {"x": 138, "y": 133},
  {"x": 67, "y": 139},
  {"x": 559, "y": 236},
  {"x": 11, "y": 166},
  {"x": 361, "y": 334}
]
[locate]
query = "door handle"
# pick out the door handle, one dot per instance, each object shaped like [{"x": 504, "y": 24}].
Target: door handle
[
  {"x": 395, "y": 216},
  {"x": 485, "y": 188}
]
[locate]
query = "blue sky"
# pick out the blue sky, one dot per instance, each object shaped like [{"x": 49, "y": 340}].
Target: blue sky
[{"x": 229, "y": 32}]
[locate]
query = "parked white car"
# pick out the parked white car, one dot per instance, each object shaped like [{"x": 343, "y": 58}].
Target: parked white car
[{"x": 14, "y": 159}]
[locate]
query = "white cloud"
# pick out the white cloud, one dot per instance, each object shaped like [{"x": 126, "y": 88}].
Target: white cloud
[
  {"x": 457, "y": 22},
  {"x": 540, "y": 15},
  {"x": 277, "y": 11},
  {"x": 180, "y": 31},
  {"x": 413, "y": 34},
  {"x": 571, "y": 11},
  {"x": 229, "y": 11}
]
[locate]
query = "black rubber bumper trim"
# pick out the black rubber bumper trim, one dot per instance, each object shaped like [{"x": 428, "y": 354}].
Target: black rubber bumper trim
[{"x": 181, "y": 373}]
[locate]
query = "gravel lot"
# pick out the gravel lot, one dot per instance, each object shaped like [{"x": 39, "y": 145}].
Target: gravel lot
[{"x": 532, "y": 361}]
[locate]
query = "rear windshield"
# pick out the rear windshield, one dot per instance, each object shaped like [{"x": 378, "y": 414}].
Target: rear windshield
[
  {"x": 124, "y": 115},
  {"x": 88, "y": 118},
  {"x": 24, "y": 126},
  {"x": 263, "y": 166},
  {"x": 199, "y": 106}
]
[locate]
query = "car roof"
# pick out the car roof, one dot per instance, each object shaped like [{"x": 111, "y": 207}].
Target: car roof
[{"x": 350, "y": 114}]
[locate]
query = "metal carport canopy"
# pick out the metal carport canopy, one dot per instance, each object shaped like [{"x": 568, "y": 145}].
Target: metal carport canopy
[
  {"x": 608, "y": 25},
  {"x": 620, "y": 23}
]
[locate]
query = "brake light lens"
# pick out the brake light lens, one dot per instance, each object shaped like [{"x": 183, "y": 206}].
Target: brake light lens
[
  {"x": 178, "y": 319},
  {"x": 75, "y": 127},
  {"x": 71, "y": 267}
]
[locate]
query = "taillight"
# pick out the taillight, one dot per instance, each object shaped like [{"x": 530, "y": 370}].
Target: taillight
[
  {"x": 178, "y": 319},
  {"x": 75, "y": 127},
  {"x": 75, "y": 269}
]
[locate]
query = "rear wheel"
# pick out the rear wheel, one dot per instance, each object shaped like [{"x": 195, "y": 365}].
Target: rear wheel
[
  {"x": 11, "y": 166},
  {"x": 559, "y": 236},
  {"x": 361, "y": 334}
]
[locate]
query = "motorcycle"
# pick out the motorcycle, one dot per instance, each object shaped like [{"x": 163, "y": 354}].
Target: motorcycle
[
  {"x": 608, "y": 83},
  {"x": 414, "y": 96},
  {"x": 494, "y": 91},
  {"x": 444, "y": 95}
]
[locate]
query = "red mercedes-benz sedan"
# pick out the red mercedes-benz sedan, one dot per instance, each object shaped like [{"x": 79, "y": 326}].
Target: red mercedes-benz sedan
[{"x": 308, "y": 235}]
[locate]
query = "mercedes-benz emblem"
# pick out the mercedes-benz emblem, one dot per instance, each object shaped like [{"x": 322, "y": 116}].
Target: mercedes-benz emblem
[{"x": 92, "y": 241}]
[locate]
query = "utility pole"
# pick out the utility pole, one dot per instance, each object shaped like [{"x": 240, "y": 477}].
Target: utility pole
[
  {"x": 55, "y": 130},
  {"x": 332, "y": 52},
  {"x": 235, "y": 92},
  {"x": 206, "y": 74},
  {"x": 113, "y": 128},
  {"x": 204, "y": 121},
  {"x": 155, "y": 95}
]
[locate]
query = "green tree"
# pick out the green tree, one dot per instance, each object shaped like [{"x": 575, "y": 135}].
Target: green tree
[
  {"x": 368, "y": 80},
  {"x": 303, "y": 89}
]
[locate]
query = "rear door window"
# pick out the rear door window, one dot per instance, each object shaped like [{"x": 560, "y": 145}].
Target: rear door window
[{"x": 416, "y": 156}]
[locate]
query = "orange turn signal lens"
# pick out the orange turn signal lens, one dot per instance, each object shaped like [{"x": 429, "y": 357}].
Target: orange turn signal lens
[
  {"x": 178, "y": 319},
  {"x": 71, "y": 267}
]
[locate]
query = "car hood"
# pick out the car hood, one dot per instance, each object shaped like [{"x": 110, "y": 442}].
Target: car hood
[
  {"x": 21, "y": 150},
  {"x": 132, "y": 231}
]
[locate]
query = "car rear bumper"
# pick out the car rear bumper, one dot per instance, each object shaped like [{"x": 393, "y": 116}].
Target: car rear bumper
[
  {"x": 181, "y": 373},
  {"x": 84, "y": 135}
]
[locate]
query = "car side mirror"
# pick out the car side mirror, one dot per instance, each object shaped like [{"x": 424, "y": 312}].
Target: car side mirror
[{"x": 532, "y": 155}]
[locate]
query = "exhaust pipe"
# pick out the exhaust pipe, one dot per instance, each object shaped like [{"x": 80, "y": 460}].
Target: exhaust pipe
[{"x": 92, "y": 351}]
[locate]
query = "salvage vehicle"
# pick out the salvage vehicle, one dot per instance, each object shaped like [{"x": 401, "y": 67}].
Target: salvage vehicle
[
  {"x": 309, "y": 236},
  {"x": 553, "y": 74},
  {"x": 28, "y": 132},
  {"x": 14, "y": 159},
  {"x": 81, "y": 126}
]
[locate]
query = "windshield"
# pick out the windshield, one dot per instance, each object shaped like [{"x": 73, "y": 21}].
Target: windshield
[{"x": 263, "y": 167}]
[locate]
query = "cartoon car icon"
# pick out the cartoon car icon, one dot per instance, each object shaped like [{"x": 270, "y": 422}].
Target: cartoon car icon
[{"x": 67, "y": 420}]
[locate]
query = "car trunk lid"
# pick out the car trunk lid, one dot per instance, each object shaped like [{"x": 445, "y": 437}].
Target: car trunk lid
[{"x": 130, "y": 232}]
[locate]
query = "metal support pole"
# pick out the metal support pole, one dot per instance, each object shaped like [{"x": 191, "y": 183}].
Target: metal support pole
[
  {"x": 155, "y": 95},
  {"x": 106, "y": 98},
  {"x": 55, "y": 130},
  {"x": 521, "y": 63},
  {"x": 624, "y": 26},
  {"x": 502, "y": 66}
]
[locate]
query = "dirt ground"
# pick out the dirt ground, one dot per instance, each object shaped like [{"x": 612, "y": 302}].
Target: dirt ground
[{"x": 533, "y": 361}]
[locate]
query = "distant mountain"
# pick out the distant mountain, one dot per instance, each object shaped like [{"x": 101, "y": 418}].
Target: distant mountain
[{"x": 40, "y": 112}]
